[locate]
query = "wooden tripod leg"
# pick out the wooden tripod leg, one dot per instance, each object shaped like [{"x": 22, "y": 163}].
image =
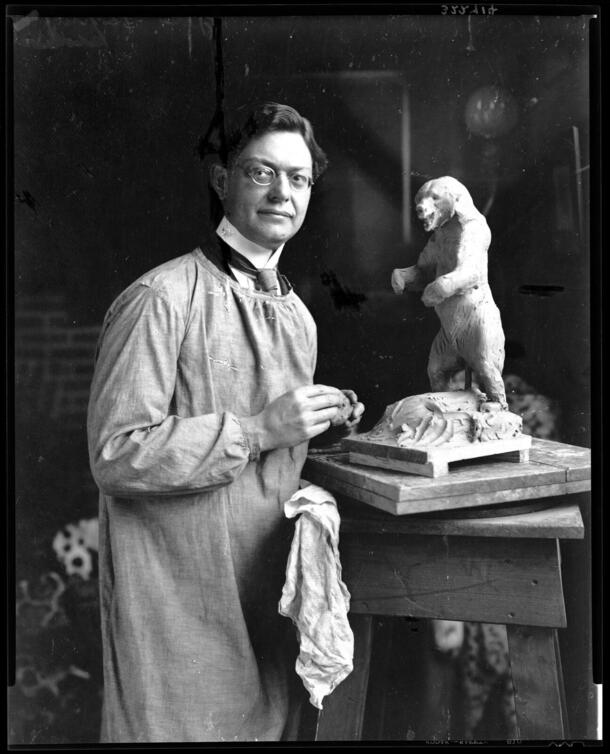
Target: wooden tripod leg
[
  {"x": 382, "y": 659},
  {"x": 538, "y": 683},
  {"x": 343, "y": 711},
  {"x": 562, "y": 687}
]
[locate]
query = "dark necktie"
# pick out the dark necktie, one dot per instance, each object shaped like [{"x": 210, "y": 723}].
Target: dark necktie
[{"x": 264, "y": 280}]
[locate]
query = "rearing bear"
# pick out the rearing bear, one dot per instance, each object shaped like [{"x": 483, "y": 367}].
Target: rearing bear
[{"x": 452, "y": 271}]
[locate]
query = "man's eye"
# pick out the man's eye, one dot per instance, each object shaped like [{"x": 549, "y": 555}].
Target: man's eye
[
  {"x": 298, "y": 179},
  {"x": 261, "y": 172}
]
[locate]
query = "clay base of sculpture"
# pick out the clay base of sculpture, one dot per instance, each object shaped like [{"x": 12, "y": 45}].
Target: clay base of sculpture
[{"x": 422, "y": 434}]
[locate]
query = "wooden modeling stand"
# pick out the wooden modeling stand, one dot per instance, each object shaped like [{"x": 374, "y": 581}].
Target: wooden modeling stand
[
  {"x": 551, "y": 469},
  {"x": 433, "y": 461},
  {"x": 500, "y": 567}
]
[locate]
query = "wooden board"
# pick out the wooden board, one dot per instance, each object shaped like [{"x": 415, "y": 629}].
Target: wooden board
[
  {"x": 576, "y": 461},
  {"x": 472, "y": 484},
  {"x": 342, "y": 713},
  {"x": 538, "y": 685},
  {"x": 556, "y": 522},
  {"x": 495, "y": 580},
  {"x": 450, "y": 502},
  {"x": 429, "y": 460},
  {"x": 472, "y": 478}
]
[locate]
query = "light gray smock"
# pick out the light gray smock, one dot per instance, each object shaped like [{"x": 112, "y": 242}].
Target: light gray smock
[{"x": 193, "y": 540}]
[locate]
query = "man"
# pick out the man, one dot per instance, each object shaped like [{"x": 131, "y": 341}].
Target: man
[{"x": 201, "y": 407}]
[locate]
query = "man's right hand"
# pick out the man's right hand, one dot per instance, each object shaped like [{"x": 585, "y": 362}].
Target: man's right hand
[{"x": 295, "y": 417}]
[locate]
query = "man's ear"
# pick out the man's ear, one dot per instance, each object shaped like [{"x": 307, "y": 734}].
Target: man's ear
[{"x": 219, "y": 179}]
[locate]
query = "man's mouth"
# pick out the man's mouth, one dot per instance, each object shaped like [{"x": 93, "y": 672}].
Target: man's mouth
[{"x": 275, "y": 213}]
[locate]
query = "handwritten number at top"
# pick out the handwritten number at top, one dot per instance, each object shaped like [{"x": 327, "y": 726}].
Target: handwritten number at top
[{"x": 462, "y": 10}]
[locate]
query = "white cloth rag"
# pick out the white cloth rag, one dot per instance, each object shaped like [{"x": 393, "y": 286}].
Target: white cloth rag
[{"x": 314, "y": 596}]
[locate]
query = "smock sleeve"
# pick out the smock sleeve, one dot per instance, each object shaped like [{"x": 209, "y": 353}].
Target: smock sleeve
[{"x": 136, "y": 445}]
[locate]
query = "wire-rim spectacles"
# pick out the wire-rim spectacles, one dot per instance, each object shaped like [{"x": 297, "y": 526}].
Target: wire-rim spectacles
[{"x": 263, "y": 175}]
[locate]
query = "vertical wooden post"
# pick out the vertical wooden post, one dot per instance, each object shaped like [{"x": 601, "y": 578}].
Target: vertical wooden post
[
  {"x": 343, "y": 711},
  {"x": 383, "y": 653},
  {"x": 538, "y": 683}
]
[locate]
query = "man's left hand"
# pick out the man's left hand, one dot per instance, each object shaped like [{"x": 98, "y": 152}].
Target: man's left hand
[{"x": 357, "y": 409}]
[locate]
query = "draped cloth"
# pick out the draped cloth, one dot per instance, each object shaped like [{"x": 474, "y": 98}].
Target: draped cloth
[
  {"x": 314, "y": 595},
  {"x": 193, "y": 538}
]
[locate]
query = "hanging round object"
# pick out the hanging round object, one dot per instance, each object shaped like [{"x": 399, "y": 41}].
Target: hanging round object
[{"x": 490, "y": 112}]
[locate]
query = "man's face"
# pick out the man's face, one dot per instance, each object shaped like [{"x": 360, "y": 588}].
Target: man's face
[{"x": 268, "y": 215}]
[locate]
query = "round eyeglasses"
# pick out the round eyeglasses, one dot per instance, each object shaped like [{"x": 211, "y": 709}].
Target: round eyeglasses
[{"x": 263, "y": 175}]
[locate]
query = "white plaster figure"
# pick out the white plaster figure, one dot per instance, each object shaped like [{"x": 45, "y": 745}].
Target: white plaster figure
[{"x": 452, "y": 272}]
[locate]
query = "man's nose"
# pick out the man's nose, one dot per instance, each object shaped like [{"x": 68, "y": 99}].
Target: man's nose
[
  {"x": 420, "y": 210},
  {"x": 280, "y": 188}
]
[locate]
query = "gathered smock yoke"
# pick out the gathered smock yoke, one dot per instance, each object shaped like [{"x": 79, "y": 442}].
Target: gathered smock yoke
[{"x": 193, "y": 539}]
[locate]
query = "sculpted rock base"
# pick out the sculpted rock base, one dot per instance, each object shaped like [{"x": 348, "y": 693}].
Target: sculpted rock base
[
  {"x": 423, "y": 434},
  {"x": 456, "y": 417}
]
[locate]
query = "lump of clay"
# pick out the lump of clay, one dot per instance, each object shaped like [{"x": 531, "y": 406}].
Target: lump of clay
[{"x": 343, "y": 413}]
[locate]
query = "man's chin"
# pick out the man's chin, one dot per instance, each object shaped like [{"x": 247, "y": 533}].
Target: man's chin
[
  {"x": 274, "y": 236},
  {"x": 272, "y": 240}
]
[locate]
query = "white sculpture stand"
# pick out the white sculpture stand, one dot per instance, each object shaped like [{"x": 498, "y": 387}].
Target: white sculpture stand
[
  {"x": 431, "y": 461},
  {"x": 423, "y": 434}
]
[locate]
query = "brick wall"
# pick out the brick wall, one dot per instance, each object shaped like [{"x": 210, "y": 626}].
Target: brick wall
[
  {"x": 53, "y": 360},
  {"x": 58, "y": 678}
]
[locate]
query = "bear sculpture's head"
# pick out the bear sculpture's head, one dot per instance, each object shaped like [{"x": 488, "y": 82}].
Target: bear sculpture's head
[{"x": 440, "y": 199}]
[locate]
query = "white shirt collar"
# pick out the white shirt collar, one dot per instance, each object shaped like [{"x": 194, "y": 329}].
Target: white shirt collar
[{"x": 258, "y": 255}]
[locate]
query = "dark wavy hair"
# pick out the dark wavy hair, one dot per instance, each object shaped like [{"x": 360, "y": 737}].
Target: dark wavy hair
[
  {"x": 265, "y": 118},
  {"x": 272, "y": 116}
]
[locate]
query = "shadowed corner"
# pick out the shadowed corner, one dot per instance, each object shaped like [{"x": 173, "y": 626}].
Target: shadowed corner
[
  {"x": 541, "y": 290},
  {"x": 342, "y": 296}
]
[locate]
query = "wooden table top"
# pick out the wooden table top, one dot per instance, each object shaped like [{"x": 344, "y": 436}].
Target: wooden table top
[
  {"x": 554, "y": 469},
  {"x": 563, "y": 521}
]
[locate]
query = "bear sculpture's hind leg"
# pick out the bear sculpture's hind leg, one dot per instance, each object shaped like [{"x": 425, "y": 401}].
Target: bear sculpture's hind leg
[
  {"x": 490, "y": 379},
  {"x": 443, "y": 363},
  {"x": 482, "y": 346}
]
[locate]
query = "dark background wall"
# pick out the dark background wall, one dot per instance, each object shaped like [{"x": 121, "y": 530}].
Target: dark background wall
[{"x": 107, "y": 117}]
